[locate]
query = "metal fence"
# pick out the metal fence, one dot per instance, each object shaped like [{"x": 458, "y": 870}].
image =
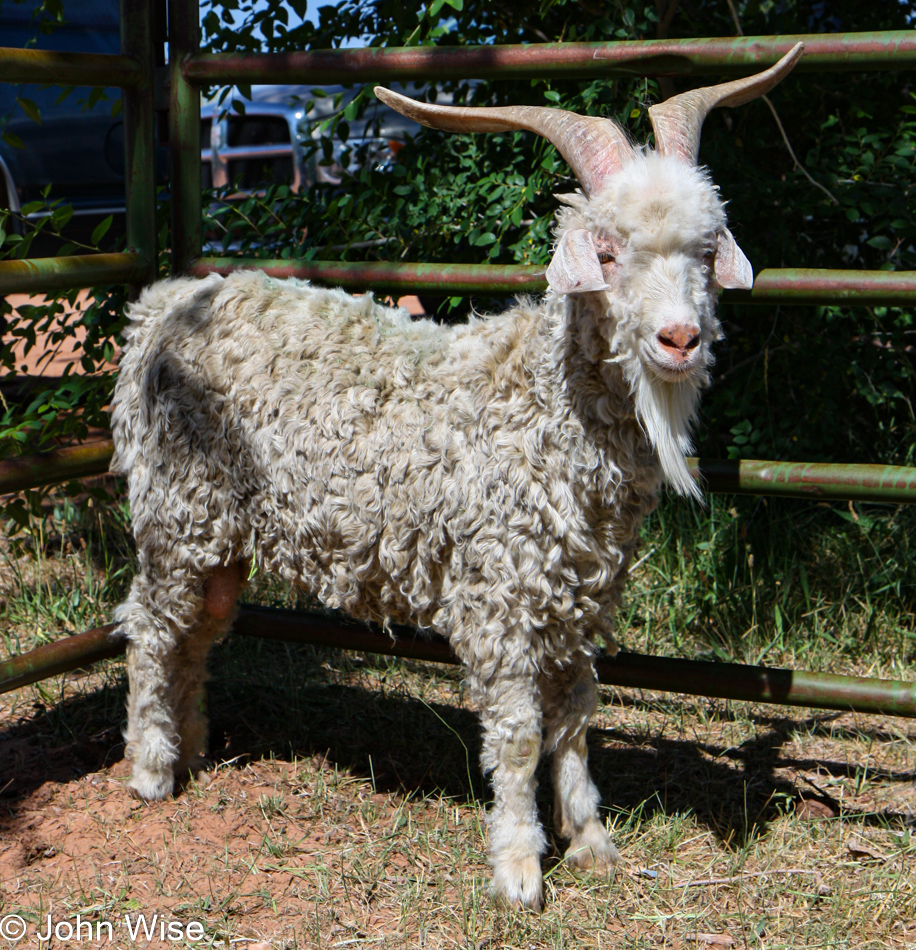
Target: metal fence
[{"x": 179, "y": 84}]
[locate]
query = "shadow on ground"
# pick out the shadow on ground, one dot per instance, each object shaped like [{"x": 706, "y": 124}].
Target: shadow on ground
[{"x": 273, "y": 700}]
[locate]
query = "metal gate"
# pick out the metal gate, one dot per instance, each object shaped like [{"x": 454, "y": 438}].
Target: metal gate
[{"x": 189, "y": 69}]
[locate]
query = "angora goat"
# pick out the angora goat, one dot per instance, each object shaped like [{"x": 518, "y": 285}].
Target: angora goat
[{"x": 483, "y": 481}]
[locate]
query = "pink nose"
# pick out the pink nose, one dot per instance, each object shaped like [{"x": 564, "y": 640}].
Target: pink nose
[{"x": 678, "y": 339}]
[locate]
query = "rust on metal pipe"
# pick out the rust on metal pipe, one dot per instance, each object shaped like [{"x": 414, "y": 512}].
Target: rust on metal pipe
[
  {"x": 416, "y": 278},
  {"x": 68, "y": 69},
  {"x": 886, "y": 50},
  {"x": 37, "y": 275},
  {"x": 632, "y": 670},
  {"x": 58, "y": 465},
  {"x": 61, "y": 656},
  {"x": 782, "y": 285},
  {"x": 814, "y": 480},
  {"x": 823, "y": 286}
]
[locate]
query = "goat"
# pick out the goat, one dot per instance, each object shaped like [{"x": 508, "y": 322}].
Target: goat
[{"x": 485, "y": 481}]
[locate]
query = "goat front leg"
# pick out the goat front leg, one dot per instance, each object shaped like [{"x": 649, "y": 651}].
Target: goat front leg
[
  {"x": 511, "y": 749},
  {"x": 569, "y": 701}
]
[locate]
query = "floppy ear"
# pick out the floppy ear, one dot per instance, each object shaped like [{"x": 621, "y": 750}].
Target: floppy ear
[
  {"x": 575, "y": 268},
  {"x": 733, "y": 269}
]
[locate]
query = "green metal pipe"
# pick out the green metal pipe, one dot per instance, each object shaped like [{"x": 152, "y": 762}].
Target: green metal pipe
[
  {"x": 61, "y": 656},
  {"x": 38, "y": 275},
  {"x": 773, "y": 285},
  {"x": 68, "y": 69},
  {"x": 184, "y": 136},
  {"x": 759, "y": 684},
  {"x": 816, "y": 286},
  {"x": 58, "y": 465},
  {"x": 139, "y": 135},
  {"x": 814, "y": 480},
  {"x": 631, "y": 670},
  {"x": 415, "y": 278},
  {"x": 634, "y": 670},
  {"x": 886, "y": 50}
]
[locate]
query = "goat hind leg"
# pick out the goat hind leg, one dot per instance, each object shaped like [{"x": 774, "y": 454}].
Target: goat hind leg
[
  {"x": 569, "y": 705},
  {"x": 221, "y": 590},
  {"x": 169, "y": 631}
]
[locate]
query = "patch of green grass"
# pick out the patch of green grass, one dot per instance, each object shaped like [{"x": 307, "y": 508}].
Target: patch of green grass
[{"x": 776, "y": 581}]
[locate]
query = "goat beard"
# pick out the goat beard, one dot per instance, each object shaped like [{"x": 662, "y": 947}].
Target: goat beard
[{"x": 667, "y": 412}]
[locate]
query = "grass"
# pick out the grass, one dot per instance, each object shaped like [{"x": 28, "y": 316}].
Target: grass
[{"x": 346, "y": 805}]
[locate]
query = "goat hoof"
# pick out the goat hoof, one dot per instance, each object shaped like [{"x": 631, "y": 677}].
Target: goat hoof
[
  {"x": 151, "y": 786},
  {"x": 592, "y": 850},
  {"x": 519, "y": 882}
]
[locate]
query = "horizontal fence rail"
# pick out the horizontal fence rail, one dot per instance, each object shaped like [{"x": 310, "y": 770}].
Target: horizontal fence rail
[
  {"x": 733, "y": 681},
  {"x": 68, "y": 69},
  {"x": 786, "y": 285},
  {"x": 816, "y": 480},
  {"x": 58, "y": 465},
  {"x": 827, "y": 481},
  {"x": 802, "y": 287},
  {"x": 888, "y": 50},
  {"x": 40, "y": 274}
]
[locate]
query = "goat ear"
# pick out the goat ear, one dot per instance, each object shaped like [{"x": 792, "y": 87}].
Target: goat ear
[
  {"x": 575, "y": 268},
  {"x": 733, "y": 269}
]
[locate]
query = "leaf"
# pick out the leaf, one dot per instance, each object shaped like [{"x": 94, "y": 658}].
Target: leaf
[
  {"x": 61, "y": 216},
  {"x": 861, "y": 849},
  {"x": 101, "y": 229},
  {"x": 29, "y": 108},
  {"x": 813, "y": 809},
  {"x": 12, "y": 139}
]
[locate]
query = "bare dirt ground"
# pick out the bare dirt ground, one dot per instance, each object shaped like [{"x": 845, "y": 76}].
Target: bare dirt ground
[{"x": 345, "y": 809}]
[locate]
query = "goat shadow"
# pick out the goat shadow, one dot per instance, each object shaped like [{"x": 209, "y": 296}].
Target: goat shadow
[{"x": 271, "y": 700}]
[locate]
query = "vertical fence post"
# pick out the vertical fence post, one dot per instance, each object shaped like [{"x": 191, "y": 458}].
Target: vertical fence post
[
  {"x": 139, "y": 135},
  {"x": 184, "y": 135}
]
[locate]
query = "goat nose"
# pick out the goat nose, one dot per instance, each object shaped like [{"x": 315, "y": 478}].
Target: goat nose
[{"x": 678, "y": 338}]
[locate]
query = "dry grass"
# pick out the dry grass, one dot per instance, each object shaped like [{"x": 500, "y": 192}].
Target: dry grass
[{"x": 346, "y": 804}]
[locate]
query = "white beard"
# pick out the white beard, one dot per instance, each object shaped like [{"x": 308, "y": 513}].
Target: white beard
[{"x": 667, "y": 412}]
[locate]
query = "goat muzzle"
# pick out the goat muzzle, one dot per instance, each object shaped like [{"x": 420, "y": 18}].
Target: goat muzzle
[{"x": 678, "y": 340}]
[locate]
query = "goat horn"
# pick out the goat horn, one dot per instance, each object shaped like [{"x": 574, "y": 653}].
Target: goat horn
[
  {"x": 593, "y": 147},
  {"x": 678, "y": 121}
]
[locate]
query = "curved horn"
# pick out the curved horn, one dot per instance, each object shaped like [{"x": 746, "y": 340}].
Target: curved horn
[
  {"x": 593, "y": 147},
  {"x": 678, "y": 121}
]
